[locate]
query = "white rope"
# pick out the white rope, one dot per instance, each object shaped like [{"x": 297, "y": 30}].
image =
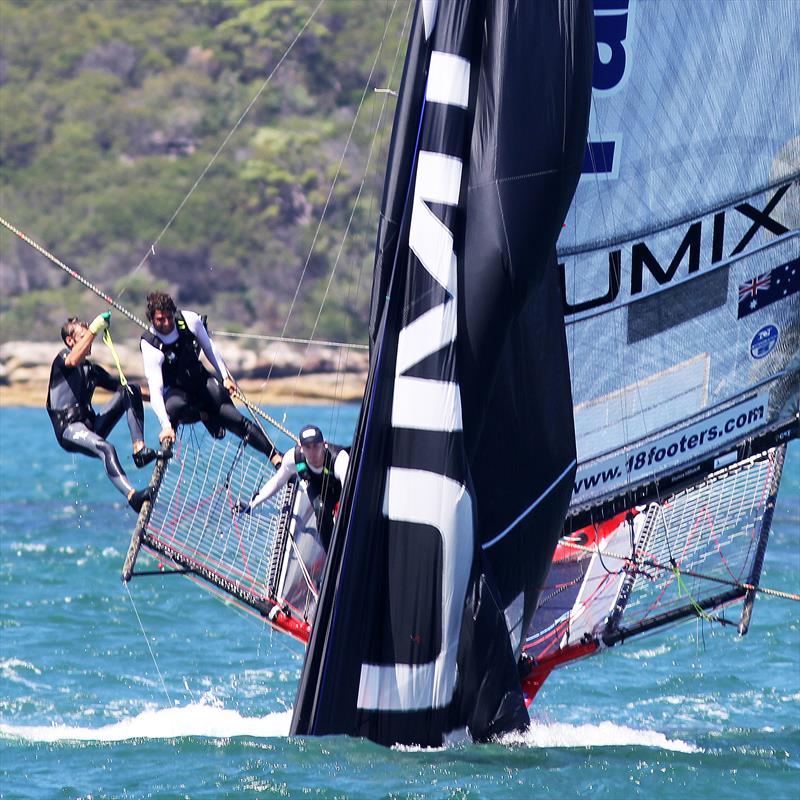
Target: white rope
[
  {"x": 292, "y": 340},
  {"x": 355, "y": 290},
  {"x": 147, "y": 642}
]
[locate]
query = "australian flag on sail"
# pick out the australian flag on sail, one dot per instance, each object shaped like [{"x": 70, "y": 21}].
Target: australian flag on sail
[{"x": 764, "y": 290}]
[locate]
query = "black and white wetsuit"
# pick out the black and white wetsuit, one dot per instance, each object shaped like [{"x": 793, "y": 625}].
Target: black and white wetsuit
[
  {"x": 323, "y": 486},
  {"x": 78, "y": 428},
  {"x": 181, "y": 388}
]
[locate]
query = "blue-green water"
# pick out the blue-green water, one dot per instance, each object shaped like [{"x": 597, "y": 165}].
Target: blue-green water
[{"x": 87, "y": 711}]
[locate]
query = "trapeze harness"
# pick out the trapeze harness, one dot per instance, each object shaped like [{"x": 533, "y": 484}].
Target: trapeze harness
[
  {"x": 182, "y": 370},
  {"x": 181, "y": 367},
  {"x": 78, "y": 428},
  {"x": 70, "y": 390},
  {"x": 323, "y": 489}
]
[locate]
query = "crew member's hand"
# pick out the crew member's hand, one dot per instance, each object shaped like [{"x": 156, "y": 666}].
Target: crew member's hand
[
  {"x": 100, "y": 323},
  {"x": 167, "y": 435},
  {"x": 230, "y": 384},
  {"x": 277, "y": 460},
  {"x": 242, "y": 508}
]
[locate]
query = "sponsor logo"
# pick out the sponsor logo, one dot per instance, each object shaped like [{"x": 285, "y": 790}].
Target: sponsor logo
[
  {"x": 417, "y": 496},
  {"x": 669, "y": 451},
  {"x": 735, "y": 227},
  {"x": 611, "y": 22},
  {"x": 764, "y": 341}
]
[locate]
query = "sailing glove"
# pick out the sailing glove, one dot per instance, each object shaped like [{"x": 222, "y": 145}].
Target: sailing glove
[
  {"x": 100, "y": 323},
  {"x": 242, "y": 508}
]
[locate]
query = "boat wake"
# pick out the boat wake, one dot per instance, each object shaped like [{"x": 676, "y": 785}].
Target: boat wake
[
  {"x": 202, "y": 720},
  {"x": 196, "y": 719},
  {"x": 605, "y": 734}
]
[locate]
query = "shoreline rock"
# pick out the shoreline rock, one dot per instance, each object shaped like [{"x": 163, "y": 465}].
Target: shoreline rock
[{"x": 283, "y": 374}]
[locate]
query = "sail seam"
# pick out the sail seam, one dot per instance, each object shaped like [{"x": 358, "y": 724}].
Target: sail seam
[
  {"x": 511, "y": 178},
  {"x": 600, "y": 244},
  {"x": 530, "y": 508}
]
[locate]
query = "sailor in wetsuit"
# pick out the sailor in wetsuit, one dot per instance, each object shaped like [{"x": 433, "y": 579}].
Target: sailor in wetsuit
[
  {"x": 321, "y": 467},
  {"x": 182, "y": 390},
  {"x": 78, "y": 428}
]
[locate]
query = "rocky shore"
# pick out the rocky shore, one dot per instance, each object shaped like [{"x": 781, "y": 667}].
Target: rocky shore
[{"x": 274, "y": 374}]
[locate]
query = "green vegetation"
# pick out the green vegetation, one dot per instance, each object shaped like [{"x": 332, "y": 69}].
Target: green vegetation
[{"x": 111, "y": 113}]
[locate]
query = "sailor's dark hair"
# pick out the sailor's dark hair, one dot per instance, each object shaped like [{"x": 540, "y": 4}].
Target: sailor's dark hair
[
  {"x": 68, "y": 328},
  {"x": 159, "y": 301}
]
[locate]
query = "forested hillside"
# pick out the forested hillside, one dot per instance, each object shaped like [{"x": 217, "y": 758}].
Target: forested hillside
[{"x": 111, "y": 111}]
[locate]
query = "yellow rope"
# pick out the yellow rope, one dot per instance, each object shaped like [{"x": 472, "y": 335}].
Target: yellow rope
[
  {"x": 683, "y": 589},
  {"x": 655, "y": 565},
  {"x": 115, "y": 355}
]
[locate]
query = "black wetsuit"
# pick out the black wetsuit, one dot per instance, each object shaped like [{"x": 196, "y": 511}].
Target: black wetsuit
[
  {"x": 193, "y": 394},
  {"x": 323, "y": 489},
  {"x": 78, "y": 428}
]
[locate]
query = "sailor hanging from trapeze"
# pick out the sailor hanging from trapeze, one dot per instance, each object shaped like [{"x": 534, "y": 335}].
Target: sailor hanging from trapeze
[
  {"x": 182, "y": 390},
  {"x": 78, "y": 428},
  {"x": 321, "y": 467}
]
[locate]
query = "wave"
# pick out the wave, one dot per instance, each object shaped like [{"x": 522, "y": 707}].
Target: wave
[
  {"x": 195, "y": 719},
  {"x": 11, "y": 669}
]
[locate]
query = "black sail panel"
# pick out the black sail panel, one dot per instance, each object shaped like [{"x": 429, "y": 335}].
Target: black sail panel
[
  {"x": 524, "y": 461},
  {"x": 410, "y": 642},
  {"x": 531, "y": 123}
]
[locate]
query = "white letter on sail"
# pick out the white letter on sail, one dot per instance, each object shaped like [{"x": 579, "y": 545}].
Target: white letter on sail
[{"x": 417, "y": 496}]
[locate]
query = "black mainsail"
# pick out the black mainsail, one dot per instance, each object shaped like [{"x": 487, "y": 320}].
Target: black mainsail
[{"x": 444, "y": 533}]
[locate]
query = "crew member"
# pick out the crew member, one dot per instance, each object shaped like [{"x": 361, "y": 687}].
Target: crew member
[
  {"x": 321, "y": 467},
  {"x": 182, "y": 390},
  {"x": 78, "y": 428}
]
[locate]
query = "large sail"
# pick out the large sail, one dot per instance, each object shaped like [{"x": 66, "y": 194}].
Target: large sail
[
  {"x": 435, "y": 556},
  {"x": 680, "y": 274}
]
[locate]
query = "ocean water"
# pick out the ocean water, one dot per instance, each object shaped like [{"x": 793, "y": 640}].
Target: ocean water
[{"x": 160, "y": 690}]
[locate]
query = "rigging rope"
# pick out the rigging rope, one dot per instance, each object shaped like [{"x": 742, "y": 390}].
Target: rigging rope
[
  {"x": 330, "y": 193},
  {"x": 238, "y": 393},
  {"x": 683, "y": 589},
  {"x": 292, "y": 340},
  {"x": 648, "y": 562},
  {"x": 73, "y": 274},
  {"x": 115, "y": 355},
  {"x": 133, "y": 318},
  {"x": 147, "y": 642}
]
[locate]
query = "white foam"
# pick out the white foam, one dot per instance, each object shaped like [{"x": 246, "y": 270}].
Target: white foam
[
  {"x": 652, "y": 652},
  {"x": 605, "y": 734},
  {"x": 192, "y": 720},
  {"x": 28, "y": 547}
]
